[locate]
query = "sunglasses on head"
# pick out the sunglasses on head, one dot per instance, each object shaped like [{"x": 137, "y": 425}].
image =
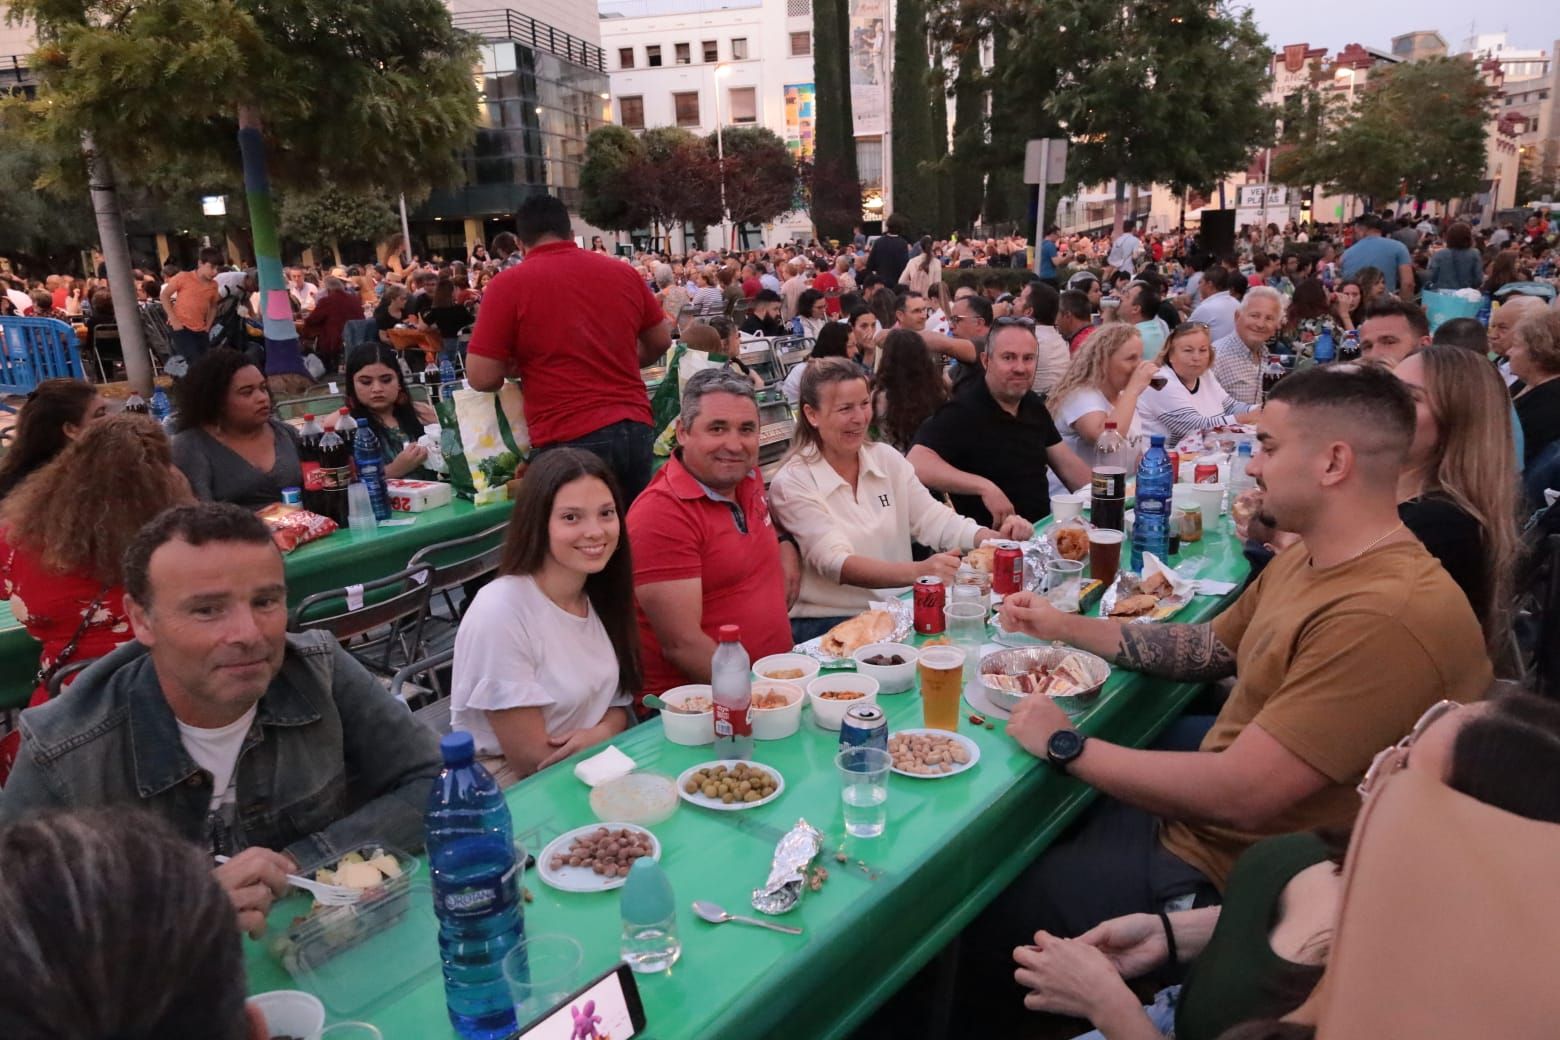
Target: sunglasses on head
[
  {"x": 1021, "y": 322},
  {"x": 1394, "y": 758}
]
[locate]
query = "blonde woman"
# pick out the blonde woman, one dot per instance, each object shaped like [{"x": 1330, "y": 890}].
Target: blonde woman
[
  {"x": 854, "y": 505},
  {"x": 1191, "y": 398},
  {"x": 1103, "y": 383},
  {"x": 1458, "y": 492}
]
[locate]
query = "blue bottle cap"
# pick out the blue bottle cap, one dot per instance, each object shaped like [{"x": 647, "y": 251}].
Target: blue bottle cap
[
  {"x": 457, "y": 748},
  {"x": 1156, "y": 440},
  {"x": 647, "y": 894}
]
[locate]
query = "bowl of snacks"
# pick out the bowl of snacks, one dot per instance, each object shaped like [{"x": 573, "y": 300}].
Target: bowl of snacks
[
  {"x": 891, "y": 664},
  {"x": 777, "y": 709},
  {"x": 689, "y": 715},
  {"x": 644, "y": 798},
  {"x": 383, "y": 874},
  {"x": 833, "y": 695},
  {"x": 1071, "y": 678},
  {"x": 797, "y": 668}
]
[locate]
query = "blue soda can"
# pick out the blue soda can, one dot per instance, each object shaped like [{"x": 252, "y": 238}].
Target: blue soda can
[{"x": 864, "y": 725}]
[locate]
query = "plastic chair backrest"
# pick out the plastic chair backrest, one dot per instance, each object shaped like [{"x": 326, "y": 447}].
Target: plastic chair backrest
[
  {"x": 396, "y": 598},
  {"x": 35, "y": 349}
]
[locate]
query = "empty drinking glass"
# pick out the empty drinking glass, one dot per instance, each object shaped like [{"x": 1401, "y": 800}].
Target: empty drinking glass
[
  {"x": 542, "y": 970},
  {"x": 966, "y": 623},
  {"x": 1063, "y": 584}
]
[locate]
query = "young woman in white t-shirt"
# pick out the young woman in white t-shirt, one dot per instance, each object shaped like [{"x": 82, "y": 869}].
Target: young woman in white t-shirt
[
  {"x": 1192, "y": 399},
  {"x": 547, "y": 656},
  {"x": 1103, "y": 383}
]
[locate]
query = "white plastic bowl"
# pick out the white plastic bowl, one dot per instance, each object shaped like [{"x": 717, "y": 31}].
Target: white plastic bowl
[
  {"x": 892, "y": 678},
  {"x": 690, "y": 730},
  {"x": 777, "y": 723},
  {"x": 290, "y": 1012},
  {"x": 787, "y": 662},
  {"x": 830, "y": 713}
]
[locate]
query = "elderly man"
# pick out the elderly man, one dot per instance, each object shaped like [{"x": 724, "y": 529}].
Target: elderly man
[
  {"x": 245, "y": 738},
  {"x": 992, "y": 443},
  {"x": 706, "y": 553},
  {"x": 332, "y": 310},
  {"x": 1238, "y": 358},
  {"x": 1392, "y": 330},
  {"x": 1502, "y": 321}
]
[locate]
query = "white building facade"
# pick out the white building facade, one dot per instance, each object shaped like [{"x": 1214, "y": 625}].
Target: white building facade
[{"x": 702, "y": 66}]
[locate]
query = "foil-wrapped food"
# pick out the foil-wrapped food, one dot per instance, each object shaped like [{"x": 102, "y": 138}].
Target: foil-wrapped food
[{"x": 788, "y": 870}]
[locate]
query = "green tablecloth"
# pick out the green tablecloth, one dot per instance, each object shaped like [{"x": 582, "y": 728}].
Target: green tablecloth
[
  {"x": 338, "y": 559},
  {"x": 951, "y": 845}
]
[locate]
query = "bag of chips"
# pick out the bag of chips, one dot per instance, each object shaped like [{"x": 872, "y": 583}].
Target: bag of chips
[{"x": 292, "y": 526}]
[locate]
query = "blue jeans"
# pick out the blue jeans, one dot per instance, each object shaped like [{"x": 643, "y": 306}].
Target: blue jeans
[
  {"x": 625, "y": 448},
  {"x": 190, "y": 344},
  {"x": 1161, "y": 1012}
]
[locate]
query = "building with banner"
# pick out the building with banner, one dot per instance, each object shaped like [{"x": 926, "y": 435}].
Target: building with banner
[{"x": 697, "y": 64}]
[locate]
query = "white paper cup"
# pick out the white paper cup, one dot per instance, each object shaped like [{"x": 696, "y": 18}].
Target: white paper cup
[
  {"x": 1068, "y": 506},
  {"x": 291, "y": 1012},
  {"x": 1210, "y": 497}
]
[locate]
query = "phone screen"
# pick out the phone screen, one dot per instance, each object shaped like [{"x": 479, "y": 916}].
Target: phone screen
[{"x": 607, "y": 1008}]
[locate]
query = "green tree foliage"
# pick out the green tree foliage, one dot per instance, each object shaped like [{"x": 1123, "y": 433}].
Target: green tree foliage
[
  {"x": 34, "y": 223},
  {"x": 761, "y": 177},
  {"x": 1418, "y": 126},
  {"x": 937, "y": 163},
  {"x": 608, "y": 196},
  {"x": 832, "y": 183},
  {"x": 967, "y": 178},
  {"x": 913, "y": 141},
  {"x": 323, "y": 219}
]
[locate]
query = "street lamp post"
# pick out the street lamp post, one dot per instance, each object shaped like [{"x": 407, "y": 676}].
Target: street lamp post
[{"x": 720, "y": 159}]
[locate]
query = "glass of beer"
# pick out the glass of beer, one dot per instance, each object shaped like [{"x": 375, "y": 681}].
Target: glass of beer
[
  {"x": 942, "y": 683},
  {"x": 1104, "y": 554}
]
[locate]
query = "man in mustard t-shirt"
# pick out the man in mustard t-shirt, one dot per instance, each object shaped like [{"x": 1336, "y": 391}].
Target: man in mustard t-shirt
[{"x": 1337, "y": 648}]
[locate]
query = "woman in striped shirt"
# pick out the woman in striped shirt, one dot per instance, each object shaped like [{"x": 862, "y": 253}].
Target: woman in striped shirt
[
  {"x": 707, "y": 300},
  {"x": 1192, "y": 399}
]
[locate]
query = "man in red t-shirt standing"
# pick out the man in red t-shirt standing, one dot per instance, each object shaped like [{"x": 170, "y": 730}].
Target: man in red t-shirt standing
[
  {"x": 576, "y": 327},
  {"x": 706, "y": 552}
]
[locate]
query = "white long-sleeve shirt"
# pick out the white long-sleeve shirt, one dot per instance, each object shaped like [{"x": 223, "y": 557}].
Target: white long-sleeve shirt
[
  {"x": 831, "y": 523},
  {"x": 1176, "y": 411}
]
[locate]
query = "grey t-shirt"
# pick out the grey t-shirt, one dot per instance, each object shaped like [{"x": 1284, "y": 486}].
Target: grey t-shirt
[{"x": 219, "y": 474}]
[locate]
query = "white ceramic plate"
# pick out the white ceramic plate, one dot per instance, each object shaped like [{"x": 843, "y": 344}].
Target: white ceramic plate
[
  {"x": 584, "y": 879},
  {"x": 968, "y": 744},
  {"x": 716, "y": 803}
]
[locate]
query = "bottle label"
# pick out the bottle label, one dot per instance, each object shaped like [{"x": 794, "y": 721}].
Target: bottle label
[
  {"x": 1109, "y": 485},
  {"x": 479, "y": 898},
  {"x": 313, "y": 477},
  {"x": 731, "y": 722},
  {"x": 335, "y": 478},
  {"x": 1147, "y": 504}
]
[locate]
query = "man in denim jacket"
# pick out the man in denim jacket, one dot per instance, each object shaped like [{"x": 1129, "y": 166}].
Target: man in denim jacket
[{"x": 279, "y": 750}]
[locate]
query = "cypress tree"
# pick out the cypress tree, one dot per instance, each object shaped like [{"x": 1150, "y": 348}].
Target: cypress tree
[
  {"x": 968, "y": 180},
  {"x": 915, "y": 187},
  {"x": 938, "y": 157},
  {"x": 836, "y": 188}
]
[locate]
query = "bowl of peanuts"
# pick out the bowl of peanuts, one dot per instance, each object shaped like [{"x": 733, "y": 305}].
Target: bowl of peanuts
[
  {"x": 777, "y": 709},
  {"x": 832, "y": 696}
]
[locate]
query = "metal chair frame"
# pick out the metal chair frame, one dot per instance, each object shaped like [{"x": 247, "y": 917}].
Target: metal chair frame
[
  {"x": 447, "y": 576},
  {"x": 401, "y": 613}
]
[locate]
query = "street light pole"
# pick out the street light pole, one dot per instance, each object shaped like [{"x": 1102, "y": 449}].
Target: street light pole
[{"x": 720, "y": 160}]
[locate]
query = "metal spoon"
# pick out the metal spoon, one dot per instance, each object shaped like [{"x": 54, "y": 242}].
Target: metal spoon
[{"x": 718, "y": 915}]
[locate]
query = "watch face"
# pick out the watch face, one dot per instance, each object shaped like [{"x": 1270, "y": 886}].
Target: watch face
[{"x": 1064, "y": 745}]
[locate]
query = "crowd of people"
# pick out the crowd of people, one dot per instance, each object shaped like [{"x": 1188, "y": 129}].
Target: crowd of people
[{"x": 944, "y": 401}]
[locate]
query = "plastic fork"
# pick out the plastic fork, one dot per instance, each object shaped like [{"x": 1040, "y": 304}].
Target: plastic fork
[{"x": 328, "y": 895}]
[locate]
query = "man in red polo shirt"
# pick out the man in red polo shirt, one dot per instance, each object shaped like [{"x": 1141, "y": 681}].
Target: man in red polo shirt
[
  {"x": 706, "y": 553},
  {"x": 576, "y": 327}
]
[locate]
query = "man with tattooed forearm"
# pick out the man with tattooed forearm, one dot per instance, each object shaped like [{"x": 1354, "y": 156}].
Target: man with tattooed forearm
[{"x": 1336, "y": 649}]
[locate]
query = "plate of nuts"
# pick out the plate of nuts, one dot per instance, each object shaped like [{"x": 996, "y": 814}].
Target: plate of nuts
[
  {"x": 595, "y": 858},
  {"x": 931, "y": 753},
  {"x": 729, "y": 785}
]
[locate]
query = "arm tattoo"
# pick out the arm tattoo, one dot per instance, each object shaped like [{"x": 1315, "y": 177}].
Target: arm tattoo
[{"x": 1190, "y": 653}]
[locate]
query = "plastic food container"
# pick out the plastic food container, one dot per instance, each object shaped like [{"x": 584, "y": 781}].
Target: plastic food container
[
  {"x": 767, "y": 667},
  {"x": 641, "y": 798},
  {"x": 830, "y": 712},
  {"x": 892, "y": 678},
  {"x": 690, "y": 730},
  {"x": 777, "y": 723}
]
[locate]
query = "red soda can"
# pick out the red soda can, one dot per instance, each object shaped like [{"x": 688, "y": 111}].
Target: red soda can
[
  {"x": 929, "y": 597},
  {"x": 1175, "y": 464},
  {"x": 1007, "y": 569},
  {"x": 1205, "y": 473}
]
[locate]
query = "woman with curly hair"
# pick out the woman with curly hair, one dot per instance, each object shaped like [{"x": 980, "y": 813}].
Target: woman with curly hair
[
  {"x": 229, "y": 444},
  {"x": 57, "y": 412},
  {"x": 907, "y": 389},
  {"x": 60, "y": 545},
  {"x": 1103, "y": 383}
]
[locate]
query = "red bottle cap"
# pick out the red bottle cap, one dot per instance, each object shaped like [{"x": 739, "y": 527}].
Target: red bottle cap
[{"x": 730, "y": 633}]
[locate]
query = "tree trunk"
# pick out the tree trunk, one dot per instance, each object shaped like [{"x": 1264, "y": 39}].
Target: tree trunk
[
  {"x": 1121, "y": 207},
  {"x": 281, "y": 336},
  {"x": 116, "y": 258}
]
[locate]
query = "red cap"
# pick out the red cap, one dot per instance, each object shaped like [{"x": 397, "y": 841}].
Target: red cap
[
  {"x": 344, "y": 411},
  {"x": 308, "y": 416},
  {"x": 730, "y": 633},
  {"x": 1110, "y": 424}
]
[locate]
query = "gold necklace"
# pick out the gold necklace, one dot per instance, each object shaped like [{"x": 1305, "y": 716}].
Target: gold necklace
[{"x": 1377, "y": 542}]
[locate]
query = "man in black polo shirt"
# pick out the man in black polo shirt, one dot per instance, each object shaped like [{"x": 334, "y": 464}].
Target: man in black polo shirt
[{"x": 990, "y": 445}]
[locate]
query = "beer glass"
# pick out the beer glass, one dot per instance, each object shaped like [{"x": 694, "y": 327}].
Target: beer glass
[
  {"x": 1104, "y": 554},
  {"x": 942, "y": 683}
]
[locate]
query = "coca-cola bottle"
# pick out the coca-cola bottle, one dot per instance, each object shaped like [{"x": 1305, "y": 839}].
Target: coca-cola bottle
[
  {"x": 309, "y": 462},
  {"x": 335, "y": 476}
]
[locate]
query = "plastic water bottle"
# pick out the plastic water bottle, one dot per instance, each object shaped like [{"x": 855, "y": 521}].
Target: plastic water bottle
[
  {"x": 448, "y": 381},
  {"x": 476, "y": 891},
  {"x": 371, "y": 469},
  {"x": 731, "y": 682},
  {"x": 1240, "y": 480},
  {"x": 1351, "y": 347},
  {"x": 1325, "y": 350},
  {"x": 160, "y": 407},
  {"x": 649, "y": 911},
  {"x": 1151, "y": 523}
]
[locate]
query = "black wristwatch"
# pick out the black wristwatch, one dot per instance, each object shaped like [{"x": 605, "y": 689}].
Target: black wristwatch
[{"x": 1064, "y": 747}]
